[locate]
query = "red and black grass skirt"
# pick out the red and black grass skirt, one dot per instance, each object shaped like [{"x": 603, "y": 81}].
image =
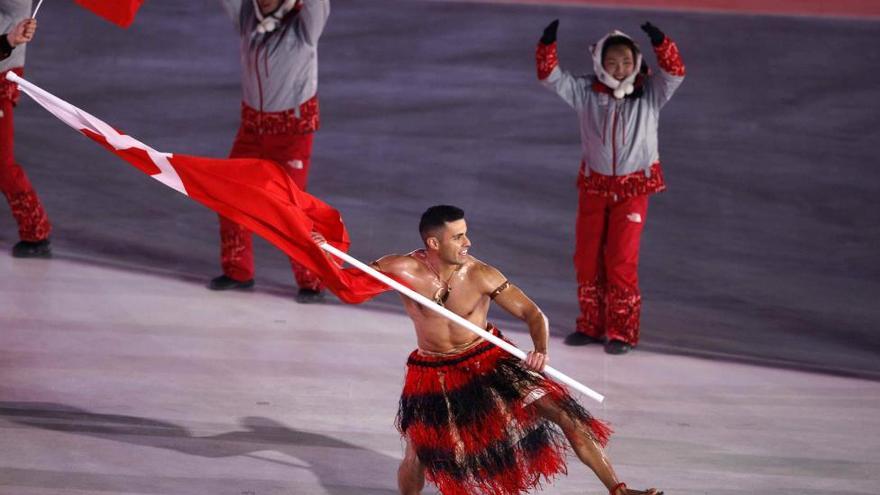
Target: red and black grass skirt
[{"x": 470, "y": 420}]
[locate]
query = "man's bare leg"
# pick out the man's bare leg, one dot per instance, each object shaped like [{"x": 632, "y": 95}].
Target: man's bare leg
[
  {"x": 586, "y": 447},
  {"x": 411, "y": 473}
]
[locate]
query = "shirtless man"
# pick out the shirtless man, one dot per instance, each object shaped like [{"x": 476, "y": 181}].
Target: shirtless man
[{"x": 475, "y": 418}]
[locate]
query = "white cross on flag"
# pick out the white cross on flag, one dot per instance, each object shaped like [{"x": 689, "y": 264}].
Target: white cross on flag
[{"x": 255, "y": 193}]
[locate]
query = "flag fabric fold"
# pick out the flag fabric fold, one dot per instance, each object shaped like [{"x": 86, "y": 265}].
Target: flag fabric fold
[
  {"x": 255, "y": 193},
  {"x": 119, "y": 12}
]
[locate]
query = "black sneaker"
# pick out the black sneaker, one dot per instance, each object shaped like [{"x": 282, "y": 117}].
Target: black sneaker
[
  {"x": 225, "y": 283},
  {"x": 309, "y": 296},
  {"x": 28, "y": 249},
  {"x": 580, "y": 338},
  {"x": 617, "y": 347}
]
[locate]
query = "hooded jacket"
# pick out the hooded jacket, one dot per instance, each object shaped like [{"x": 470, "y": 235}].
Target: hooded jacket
[
  {"x": 618, "y": 135},
  {"x": 282, "y": 76}
]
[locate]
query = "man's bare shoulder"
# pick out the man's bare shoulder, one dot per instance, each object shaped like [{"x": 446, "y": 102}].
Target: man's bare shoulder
[
  {"x": 487, "y": 276},
  {"x": 396, "y": 263}
]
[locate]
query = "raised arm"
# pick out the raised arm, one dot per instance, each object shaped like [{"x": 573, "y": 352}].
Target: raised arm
[
  {"x": 663, "y": 84},
  {"x": 20, "y": 34},
  {"x": 552, "y": 77},
  {"x": 312, "y": 19},
  {"x": 513, "y": 300},
  {"x": 233, "y": 10}
]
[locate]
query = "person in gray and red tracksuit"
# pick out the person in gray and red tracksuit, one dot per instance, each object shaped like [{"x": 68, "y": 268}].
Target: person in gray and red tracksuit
[
  {"x": 33, "y": 223},
  {"x": 619, "y": 113},
  {"x": 279, "y": 114}
]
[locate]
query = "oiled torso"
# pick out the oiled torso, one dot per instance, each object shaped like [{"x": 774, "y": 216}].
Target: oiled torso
[{"x": 466, "y": 297}]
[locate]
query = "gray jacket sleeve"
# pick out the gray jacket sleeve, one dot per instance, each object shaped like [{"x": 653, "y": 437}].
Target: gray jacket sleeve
[
  {"x": 7, "y": 20},
  {"x": 233, "y": 10},
  {"x": 662, "y": 84},
  {"x": 570, "y": 88},
  {"x": 312, "y": 19},
  {"x": 13, "y": 12}
]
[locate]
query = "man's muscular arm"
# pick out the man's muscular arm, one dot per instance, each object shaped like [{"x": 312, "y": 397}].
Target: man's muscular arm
[{"x": 515, "y": 302}]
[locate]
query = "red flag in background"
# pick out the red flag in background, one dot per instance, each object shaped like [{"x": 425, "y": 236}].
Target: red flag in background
[
  {"x": 261, "y": 196},
  {"x": 119, "y": 12},
  {"x": 255, "y": 193}
]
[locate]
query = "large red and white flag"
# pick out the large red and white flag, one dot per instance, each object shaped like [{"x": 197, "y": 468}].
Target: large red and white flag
[
  {"x": 119, "y": 12},
  {"x": 255, "y": 193}
]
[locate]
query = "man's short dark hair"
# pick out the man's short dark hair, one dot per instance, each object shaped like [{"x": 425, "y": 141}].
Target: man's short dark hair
[{"x": 436, "y": 217}]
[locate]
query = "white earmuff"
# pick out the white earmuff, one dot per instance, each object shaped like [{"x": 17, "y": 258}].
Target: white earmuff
[{"x": 269, "y": 23}]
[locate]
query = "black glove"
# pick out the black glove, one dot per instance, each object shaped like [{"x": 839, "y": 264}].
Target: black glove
[
  {"x": 550, "y": 33},
  {"x": 5, "y": 47},
  {"x": 655, "y": 34}
]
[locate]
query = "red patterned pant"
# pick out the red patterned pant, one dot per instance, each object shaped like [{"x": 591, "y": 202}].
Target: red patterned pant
[
  {"x": 33, "y": 223},
  {"x": 606, "y": 260},
  {"x": 294, "y": 151}
]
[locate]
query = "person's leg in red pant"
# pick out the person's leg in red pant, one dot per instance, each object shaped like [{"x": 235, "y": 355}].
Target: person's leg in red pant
[
  {"x": 294, "y": 152},
  {"x": 590, "y": 235},
  {"x": 236, "y": 244},
  {"x": 33, "y": 223},
  {"x": 623, "y": 301}
]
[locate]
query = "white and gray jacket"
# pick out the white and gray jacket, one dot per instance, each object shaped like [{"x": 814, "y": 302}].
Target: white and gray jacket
[
  {"x": 618, "y": 136},
  {"x": 279, "y": 74}
]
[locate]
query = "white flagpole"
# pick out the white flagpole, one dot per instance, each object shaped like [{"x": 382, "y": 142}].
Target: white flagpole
[
  {"x": 424, "y": 301},
  {"x": 34, "y": 15}
]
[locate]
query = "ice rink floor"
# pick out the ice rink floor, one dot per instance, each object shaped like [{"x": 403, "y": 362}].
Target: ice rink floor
[{"x": 143, "y": 384}]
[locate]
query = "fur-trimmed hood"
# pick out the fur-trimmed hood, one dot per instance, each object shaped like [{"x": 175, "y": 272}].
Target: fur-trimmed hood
[
  {"x": 270, "y": 22},
  {"x": 619, "y": 89}
]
